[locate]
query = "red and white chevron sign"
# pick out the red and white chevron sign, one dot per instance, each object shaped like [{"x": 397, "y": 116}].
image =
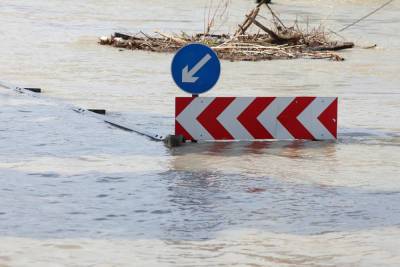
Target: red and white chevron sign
[{"x": 256, "y": 118}]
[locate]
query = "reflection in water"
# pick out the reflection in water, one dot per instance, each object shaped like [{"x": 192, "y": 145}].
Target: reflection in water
[
  {"x": 206, "y": 203},
  {"x": 288, "y": 149}
]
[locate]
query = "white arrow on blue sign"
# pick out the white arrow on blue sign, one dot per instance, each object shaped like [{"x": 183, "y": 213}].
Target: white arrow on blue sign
[{"x": 195, "y": 68}]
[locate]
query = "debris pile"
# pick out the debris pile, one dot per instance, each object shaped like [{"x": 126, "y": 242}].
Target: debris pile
[{"x": 276, "y": 42}]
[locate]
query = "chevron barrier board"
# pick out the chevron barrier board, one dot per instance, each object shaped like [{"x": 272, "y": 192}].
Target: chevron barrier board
[{"x": 256, "y": 118}]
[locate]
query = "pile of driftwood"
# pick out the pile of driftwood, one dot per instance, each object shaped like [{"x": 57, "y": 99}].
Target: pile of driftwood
[{"x": 279, "y": 42}]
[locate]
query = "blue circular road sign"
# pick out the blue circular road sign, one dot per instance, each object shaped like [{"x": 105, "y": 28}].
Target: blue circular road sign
[{"x": 195, "y": 68}]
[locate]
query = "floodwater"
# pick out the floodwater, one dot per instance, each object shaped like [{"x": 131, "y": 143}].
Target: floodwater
[{"x": 76, "y": 192}]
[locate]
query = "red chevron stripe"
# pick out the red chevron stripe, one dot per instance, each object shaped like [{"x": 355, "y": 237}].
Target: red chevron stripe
[
  {"x": 180, "y": 104},
  {"x": 328, "y": 118},
  {"x": 288, "y": 118},
  {"x": 179, "y": 130},
  {"x": 248, "y": 118},
  {"x": 208, "y": 118}
]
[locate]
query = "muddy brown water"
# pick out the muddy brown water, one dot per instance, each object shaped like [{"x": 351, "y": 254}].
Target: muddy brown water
[{"x": 78, "y": 193}]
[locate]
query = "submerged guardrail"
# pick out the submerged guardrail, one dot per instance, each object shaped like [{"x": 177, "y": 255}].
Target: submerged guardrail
[{"x": 92, "y": 112}]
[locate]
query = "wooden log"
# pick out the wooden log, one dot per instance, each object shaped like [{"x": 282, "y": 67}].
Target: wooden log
[
  {"x": 254, "y": 15},
  {"x": 275, "y": 16},
  {"x": 219, "y": 36},
  {"x": 333, "y": 46},
  {"x": 122, "y": 35},
  {"x": 273, "y": 35},
  {"x": 125, "y": 36},
  {"x": 172, "y": 38},
  {"x": 276, "y": 38},
  {"x": 247, "y": 23}
]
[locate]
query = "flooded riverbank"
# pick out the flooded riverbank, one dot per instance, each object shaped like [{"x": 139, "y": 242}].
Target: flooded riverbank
[{"x": 76, "y": 192}]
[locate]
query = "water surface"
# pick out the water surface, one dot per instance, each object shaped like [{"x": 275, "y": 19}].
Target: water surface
[{"x": 77, "y": 192}]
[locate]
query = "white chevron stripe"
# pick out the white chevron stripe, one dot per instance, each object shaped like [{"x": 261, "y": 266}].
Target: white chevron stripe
[
  {"x": 228, "y": 118},
  {"x": 268, "y": 118},
  {"x": 188, "y": 118},
  {"x": 309, "y": 118}
]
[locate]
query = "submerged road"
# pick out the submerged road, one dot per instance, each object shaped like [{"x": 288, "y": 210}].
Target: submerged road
[{"x": 78, "y": 192}]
